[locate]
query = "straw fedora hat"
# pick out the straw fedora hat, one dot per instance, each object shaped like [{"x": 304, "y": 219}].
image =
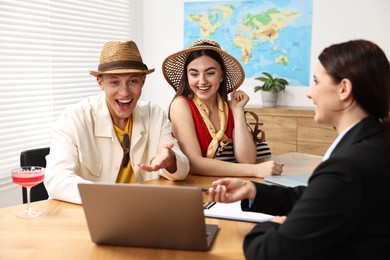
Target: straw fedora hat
[
  {"x": 173, "y": 65},
  {"x": 120, "y": 58}
]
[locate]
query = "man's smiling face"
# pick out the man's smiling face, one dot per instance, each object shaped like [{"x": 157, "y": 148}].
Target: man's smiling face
[{"x": 122, "y": 93}]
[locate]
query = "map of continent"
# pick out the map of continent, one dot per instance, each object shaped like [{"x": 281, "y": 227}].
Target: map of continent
[{"x": 271, "y": 36}]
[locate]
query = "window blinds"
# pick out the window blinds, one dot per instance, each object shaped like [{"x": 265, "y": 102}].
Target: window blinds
[{"x": 47, "y": 48}]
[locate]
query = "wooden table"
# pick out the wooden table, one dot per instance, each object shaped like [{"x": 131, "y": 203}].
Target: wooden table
[{"x": 61, "y": 231}]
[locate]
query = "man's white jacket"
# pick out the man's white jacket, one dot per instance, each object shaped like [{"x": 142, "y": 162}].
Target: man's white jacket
[{"x": 85, "y": 147}]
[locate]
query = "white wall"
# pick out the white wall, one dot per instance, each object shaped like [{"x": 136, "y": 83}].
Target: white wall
[{"x": 333, "y": 21}]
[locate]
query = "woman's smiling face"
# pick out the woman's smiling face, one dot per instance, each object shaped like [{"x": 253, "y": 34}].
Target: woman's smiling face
[
  {"x": 122, "y": 93},
  {"x": 204, "y": 77},
  {"x": 325, "y": 96}
]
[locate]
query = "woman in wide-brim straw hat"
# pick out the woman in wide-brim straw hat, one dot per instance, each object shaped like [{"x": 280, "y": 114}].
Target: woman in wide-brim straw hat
[
  {"x": 113, "y": 136},
  {"x": 203, "y": 119}
]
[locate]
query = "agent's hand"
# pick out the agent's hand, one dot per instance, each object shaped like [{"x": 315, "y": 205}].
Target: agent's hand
[
  {"x": 238, "y": 99},
  {"x": 165, "y": 158},
  {"x": 231, "y": 189}
]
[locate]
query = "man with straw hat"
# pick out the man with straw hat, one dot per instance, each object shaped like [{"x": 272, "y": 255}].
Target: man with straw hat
[
  {"x": 203, "y": 120},
  {"x": 113, "y": 136}
]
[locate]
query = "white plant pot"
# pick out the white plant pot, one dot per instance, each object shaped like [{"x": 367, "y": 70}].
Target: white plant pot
[{"x": 269, "y": 98}]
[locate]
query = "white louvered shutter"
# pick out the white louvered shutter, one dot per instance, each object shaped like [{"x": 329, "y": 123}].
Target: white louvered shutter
[{"x": 47, "y": 48}]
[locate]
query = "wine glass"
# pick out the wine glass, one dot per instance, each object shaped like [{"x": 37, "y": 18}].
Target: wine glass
[{"x": 28, "y": 177}]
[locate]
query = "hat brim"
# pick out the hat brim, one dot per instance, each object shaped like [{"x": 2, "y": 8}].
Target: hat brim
[
  {"x": 120, "y": 71},
  {"x": 173, "y": 67}
]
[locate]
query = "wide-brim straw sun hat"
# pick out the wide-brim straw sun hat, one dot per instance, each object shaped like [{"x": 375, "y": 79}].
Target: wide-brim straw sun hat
[
  {"x": 173, "y": 65},
  {"x": 120, "y": 58}
]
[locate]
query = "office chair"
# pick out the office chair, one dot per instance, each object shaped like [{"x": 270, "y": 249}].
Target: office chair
[{"x": 35, "y": 157}]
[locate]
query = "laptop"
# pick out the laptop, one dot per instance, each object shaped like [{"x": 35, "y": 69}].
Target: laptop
[
  {"x": 288, "y": 180},
  {"x": 141, "y": 215}
]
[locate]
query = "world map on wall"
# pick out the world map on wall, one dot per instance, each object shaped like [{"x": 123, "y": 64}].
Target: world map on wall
[{"x": 271, "y": 36}]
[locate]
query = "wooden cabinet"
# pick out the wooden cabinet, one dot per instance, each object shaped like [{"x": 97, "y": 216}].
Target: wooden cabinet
[{"x": 292, "y": 129}]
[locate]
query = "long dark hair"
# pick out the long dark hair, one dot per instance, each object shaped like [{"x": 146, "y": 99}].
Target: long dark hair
[
  {"x": 366, "y": 66},
  {"x": 185, "y": 90}
]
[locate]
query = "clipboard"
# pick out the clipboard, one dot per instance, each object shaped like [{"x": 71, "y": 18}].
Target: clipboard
[{"x": 232, "y": 211}]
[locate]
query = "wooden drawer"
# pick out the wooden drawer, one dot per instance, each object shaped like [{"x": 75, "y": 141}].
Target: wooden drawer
[
  {"x": 289, "y": 129},
  {"x": 310, "y": 131},
  {"x": 281, "y": 129}
]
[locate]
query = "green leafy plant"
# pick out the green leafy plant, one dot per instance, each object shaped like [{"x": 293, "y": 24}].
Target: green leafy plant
[{"x": 271, "y": 84}]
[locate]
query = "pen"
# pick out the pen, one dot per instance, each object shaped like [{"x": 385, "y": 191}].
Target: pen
[
  {"x": 209, "y": 205},
  {"x": 206, "y": 189}
]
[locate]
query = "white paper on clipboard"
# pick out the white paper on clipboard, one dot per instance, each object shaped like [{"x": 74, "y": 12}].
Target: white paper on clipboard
[{"x": 233, "y": 211}]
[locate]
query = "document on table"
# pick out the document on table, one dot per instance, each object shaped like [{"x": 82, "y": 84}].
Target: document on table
[{"x": 233, "y": 211}]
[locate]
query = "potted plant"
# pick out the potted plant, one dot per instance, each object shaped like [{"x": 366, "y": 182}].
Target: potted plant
[{"x": 270, "y": 88}]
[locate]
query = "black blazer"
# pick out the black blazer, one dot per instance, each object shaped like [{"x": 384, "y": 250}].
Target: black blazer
[{"x": 344, "y": 213}]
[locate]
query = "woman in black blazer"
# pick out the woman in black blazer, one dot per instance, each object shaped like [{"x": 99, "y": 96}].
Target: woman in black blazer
[{"x": 344, "y": 212}]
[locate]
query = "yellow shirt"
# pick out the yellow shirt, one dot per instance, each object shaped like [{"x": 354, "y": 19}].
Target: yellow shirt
[{"x": 126, "y": 174}]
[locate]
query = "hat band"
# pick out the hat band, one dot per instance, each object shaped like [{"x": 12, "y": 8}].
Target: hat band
[{"x": 125, "y": 64}]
